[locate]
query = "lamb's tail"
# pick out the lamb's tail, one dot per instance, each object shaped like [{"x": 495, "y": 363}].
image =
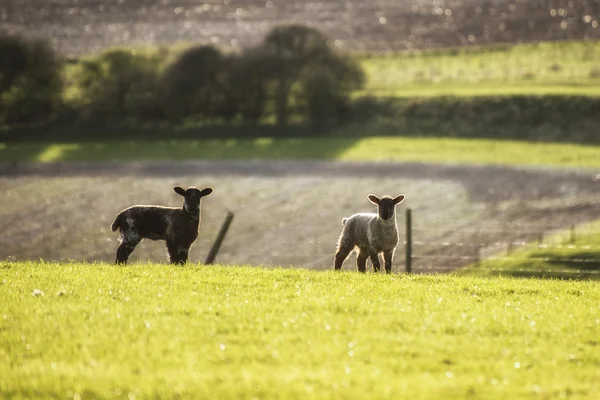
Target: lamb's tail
[
  {"x": 117, "y": 223},
  {"x": 344, "y": 221}
]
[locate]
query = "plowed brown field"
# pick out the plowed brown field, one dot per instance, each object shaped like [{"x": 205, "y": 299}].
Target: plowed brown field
[
  {"x": 287, "y": 212},
  {"x": 84, "y": 26}
]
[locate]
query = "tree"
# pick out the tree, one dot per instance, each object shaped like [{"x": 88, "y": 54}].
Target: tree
[
  {"x": 296, "y": 53},
  {"x": 244, "y": 85},
  {"x": 192, "y": 85},
  {"x": 120, "y": 83},
  {"x": 14, "y": 60},
  {"x": 31, "y": 81}
]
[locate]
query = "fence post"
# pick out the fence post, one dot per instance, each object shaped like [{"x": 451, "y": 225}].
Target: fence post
[
  {"x": 408, "y": 247},
  {"x": 573, "y": 235},
  {"x": 212, "y": 254}
]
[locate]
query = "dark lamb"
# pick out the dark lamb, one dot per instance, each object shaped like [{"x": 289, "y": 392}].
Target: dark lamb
[{"x": 177, "y": 226}]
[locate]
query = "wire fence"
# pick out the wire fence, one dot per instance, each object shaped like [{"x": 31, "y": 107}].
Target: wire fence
[
  {"x": 570, "y": 253},
  {"x": 558, "y": 256}
]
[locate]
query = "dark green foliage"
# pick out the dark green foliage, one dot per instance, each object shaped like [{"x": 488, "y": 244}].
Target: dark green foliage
[
  {"x": 326, "y": 89},
  {"x": 245, "y": 86},
  {"x": 545, "y": 118},
  {"x": 31, "y": 82},
  {"x": 14, "y": 60},
  {"x": 298, "y": 57},
  {"x": 120, "y": 84},
  {"x": 192, "y": 85},
  {"x": 322, "y": 95},
  {"x": 293, "y": 73}
]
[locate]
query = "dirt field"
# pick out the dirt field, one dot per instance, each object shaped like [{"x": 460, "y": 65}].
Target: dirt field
[
  {"x": 84, "y": 26},
  {"x": 288, "y": 213}
]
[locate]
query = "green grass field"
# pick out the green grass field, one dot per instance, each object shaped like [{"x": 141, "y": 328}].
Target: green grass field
[
  {"x": 442, "y": 150},
  {"x": 565, "y": 255},
  {"x": 158, "y": 331},
  {"x": 545, "y": 68}
]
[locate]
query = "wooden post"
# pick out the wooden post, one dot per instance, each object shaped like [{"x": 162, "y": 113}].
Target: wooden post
[
  {"x": 573, "y": 235},
  {"x": 408, "y": 247},
  {"x": 219, "y": 239}
]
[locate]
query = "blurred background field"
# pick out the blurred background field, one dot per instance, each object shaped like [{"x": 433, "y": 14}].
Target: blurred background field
[
  {"x": 86, "y": 26},
  {"x": 567, "y": 68},
  {"x": 489, "y": 100}
]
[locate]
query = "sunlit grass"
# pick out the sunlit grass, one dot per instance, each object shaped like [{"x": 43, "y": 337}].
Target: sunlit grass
[
  {"x": 443, "y": 150},
  {"x": 158, "y": 331},
  {"x": 473, "y": 151},
  {"x": 568, "y": 68},
  {"x": 589, "y": 88}
]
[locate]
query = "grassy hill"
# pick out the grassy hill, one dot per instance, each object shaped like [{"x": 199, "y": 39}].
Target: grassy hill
[
  {"x": 100, "y": 331},
  {"x": 547, "y": 68}
]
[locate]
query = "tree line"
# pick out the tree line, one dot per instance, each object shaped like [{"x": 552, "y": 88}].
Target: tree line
[{"x": 293, "y": 75}]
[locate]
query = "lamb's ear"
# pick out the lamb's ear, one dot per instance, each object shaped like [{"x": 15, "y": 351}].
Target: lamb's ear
[
  {"x": 179, "y": 190},
  {"x": 373, "y": 199},
  {"x": 206, "y": 192},
  {"x": 399, "y": 199}
]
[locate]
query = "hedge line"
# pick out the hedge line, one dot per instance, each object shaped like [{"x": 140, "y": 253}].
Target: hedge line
[
  {"x": 292, "y": 74},
  {"x": 291, "y": 78},
  {"x": 525, "y": 117}
]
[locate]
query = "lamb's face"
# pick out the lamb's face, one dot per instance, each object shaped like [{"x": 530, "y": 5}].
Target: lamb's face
[
  {"x": 386, "y": 205},
  {"x": 192, "y": 197}
]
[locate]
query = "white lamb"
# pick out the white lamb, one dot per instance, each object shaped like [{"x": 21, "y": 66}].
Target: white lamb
[{"x": 370, "y": 234}]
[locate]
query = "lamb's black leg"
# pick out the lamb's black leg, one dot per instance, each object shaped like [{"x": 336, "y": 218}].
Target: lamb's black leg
[
  {"x": 341, "y": 255},
  {"x": 173, "y": 253},
  {"x": 375, "y": 260},
  {"x": 123, "y": 252},
  {"x": 183, "y": 255},
  {"x": 361, "y": 260},
  {"x": 387, "y": 258}
]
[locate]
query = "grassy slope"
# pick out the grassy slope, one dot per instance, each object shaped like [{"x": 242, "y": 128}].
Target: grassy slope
[
  {"x": 559, "y": 256},
  {"x": 548, "y": 68},
  {"x": 232, "y": 332},
  {"x": 480, "y": 151}
]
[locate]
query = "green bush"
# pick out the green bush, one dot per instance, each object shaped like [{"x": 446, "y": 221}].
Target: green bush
[
  {"x": 14, "y": 60},
  {"x": 193, "y": 84},
  {"x": 31, "y": 83},
  {"x": 245, "y": 85},
  {"x": 120, "y": 84},
  {"x": 326, "y": 89},
  {"x": 298, "y": 61},
  {"x": 546, "y": 118},
  {"x": 321, "y": 93}
]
